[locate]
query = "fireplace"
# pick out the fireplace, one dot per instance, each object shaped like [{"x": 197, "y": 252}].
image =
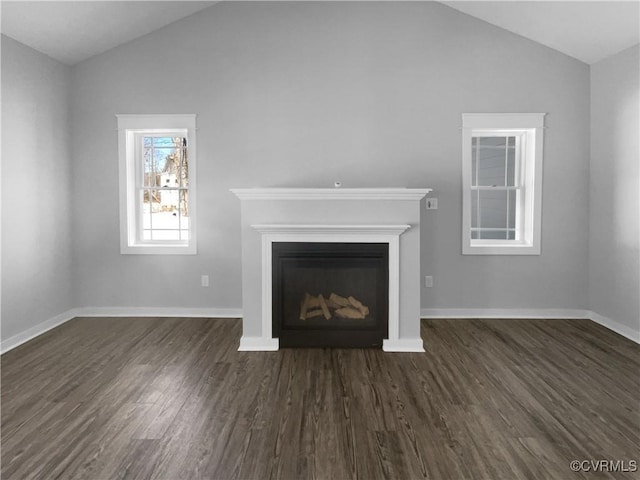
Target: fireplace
[
  {"x": 274, "y": 216},
  {"x": 330, "y": 294}
]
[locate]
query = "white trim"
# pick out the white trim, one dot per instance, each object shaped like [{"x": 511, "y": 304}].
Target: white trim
[
  {"x": 269, "y": 344},
  {"x": 43, "y": 327},
  {"x": 128, "y": 127},
  {"x": 162, "y": 120},
  {"x": 508, "y": 313},
  {"x": 331, "y": 233},
  {"x": 159, "y": 312},
  {"x": 394, "y": 291},
  {"x": 403, "y": 345},
  {"x": 258, "y": 344},
  {"x": 619, "y": 328},
  {"x": 37, "y": 330},
  {"x": 366, "y": 230},
  {"x": 330, "y": 193},
  {"x": 529, "y": 128},
  {"x": 149, "y": 249},
  {"x": 531, "y": 314},
  {"x": 504, "y": 121}
]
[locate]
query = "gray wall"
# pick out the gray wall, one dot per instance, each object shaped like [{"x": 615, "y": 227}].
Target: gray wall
[
  {"x": 614, "y": 234},
  {"x": 303, "y": 94},
  {"x": 36, "y": 189}
]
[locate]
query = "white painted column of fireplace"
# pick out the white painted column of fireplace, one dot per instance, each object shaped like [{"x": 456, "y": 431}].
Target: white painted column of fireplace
[
  {"x": 346, "y": 215},
  {"x": 338, "y": 234}
]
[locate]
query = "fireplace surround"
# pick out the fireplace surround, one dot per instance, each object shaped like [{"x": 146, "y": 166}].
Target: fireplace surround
[{"x": 389, "y": 216}]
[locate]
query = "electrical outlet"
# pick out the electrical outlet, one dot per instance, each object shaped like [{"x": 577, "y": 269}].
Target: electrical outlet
[
  {"x": 432, "y": 203},
  {"x": 204, "y": 280},
  {"x": 428, "y": 281}
]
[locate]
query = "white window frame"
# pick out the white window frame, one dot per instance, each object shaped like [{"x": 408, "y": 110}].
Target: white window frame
[
  {"x": 131, "y": 127},
  {"x": 528, "y": 128}
]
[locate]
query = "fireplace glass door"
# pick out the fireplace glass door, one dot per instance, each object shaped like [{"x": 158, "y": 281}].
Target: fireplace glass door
[{"x": 330, "y": 294}]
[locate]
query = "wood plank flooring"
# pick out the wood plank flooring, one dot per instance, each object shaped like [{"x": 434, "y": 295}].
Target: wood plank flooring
[{"x": 167, "y": 398}]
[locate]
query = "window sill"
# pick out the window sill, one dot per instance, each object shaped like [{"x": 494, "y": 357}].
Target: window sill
[
  {"x": 158, "y": 249},
  {"x": 492, "y": 248}
]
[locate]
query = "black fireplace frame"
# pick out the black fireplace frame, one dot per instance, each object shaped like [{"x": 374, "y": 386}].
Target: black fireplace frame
[{"x": 331, "y": 254}]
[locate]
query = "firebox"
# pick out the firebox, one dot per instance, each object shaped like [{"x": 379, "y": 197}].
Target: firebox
[{"x": 330, "y": 294}]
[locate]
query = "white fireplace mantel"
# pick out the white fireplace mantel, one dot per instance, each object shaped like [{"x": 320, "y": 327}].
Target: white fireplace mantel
[
  {"x": 330, "y": 193},
  {"x": 343, "y": 215},
  {"x": 330, "y": 231}
]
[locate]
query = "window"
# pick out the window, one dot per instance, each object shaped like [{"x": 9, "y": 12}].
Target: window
[
  {"x": 157, "y": 184},
  {"x": 502, "y": 183}
]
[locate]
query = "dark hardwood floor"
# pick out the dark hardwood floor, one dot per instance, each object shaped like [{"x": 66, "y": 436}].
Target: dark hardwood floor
[{"x": 110, "y": 398}]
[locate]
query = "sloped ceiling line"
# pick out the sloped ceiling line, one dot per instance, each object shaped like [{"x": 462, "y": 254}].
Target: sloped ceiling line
[{"x": 73, "y": 31}]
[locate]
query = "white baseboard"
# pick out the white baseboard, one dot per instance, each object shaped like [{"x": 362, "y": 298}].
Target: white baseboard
[
  {"x": 258, "y": 344},
  {"x": 510, "y": 313},
  {"x": 37, "y": 330},
  {"x": 617, "y": 327},
  {"x": 403, "y": 345},
  {"x": 159, "y": 312},
  {"x": 532, "y": 313},
  {"x": 19, "y": 339},
  {"x": 271, "y": 344}
]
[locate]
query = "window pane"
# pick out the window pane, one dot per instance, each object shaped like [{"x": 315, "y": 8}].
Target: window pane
[
  {"x": 168, "y": 180},
  {"x": 168, "y": 198},
  {"x": 183, "y": 174},
  {"x": 184, "y": 209},
  {"x": 150, "y": 172},
  {"x": 511, "y": 161},
  {"x": 165, "y": 220},
  {"x": 165, "y": 235},
  {"x": 160, "y": 209},
  {"x": 489, "y": 154},
  {"x": 165, "y": 214},
  {"x": 474, "y": 163},
  {"x": 165, "y": 160},
  {"x": 512, "y": 196},
  {"x": 474, "y": 208},
  {"x": 493, "y": 209},
  {"x": 150, "y": 203},
  {"x": 164, "y": 142},
  {"x": 493, "y": 234}
]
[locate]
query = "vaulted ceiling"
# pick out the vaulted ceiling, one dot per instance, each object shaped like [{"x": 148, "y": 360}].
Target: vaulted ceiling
[
  {"x": 74, "y": 31},
  {"x": 586, "y": 30}
]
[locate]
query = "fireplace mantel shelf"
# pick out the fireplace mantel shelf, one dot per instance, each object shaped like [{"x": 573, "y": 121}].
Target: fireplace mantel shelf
[
  {"x": 330, "y": 193},
  {"x": 332, "y": 229}
]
